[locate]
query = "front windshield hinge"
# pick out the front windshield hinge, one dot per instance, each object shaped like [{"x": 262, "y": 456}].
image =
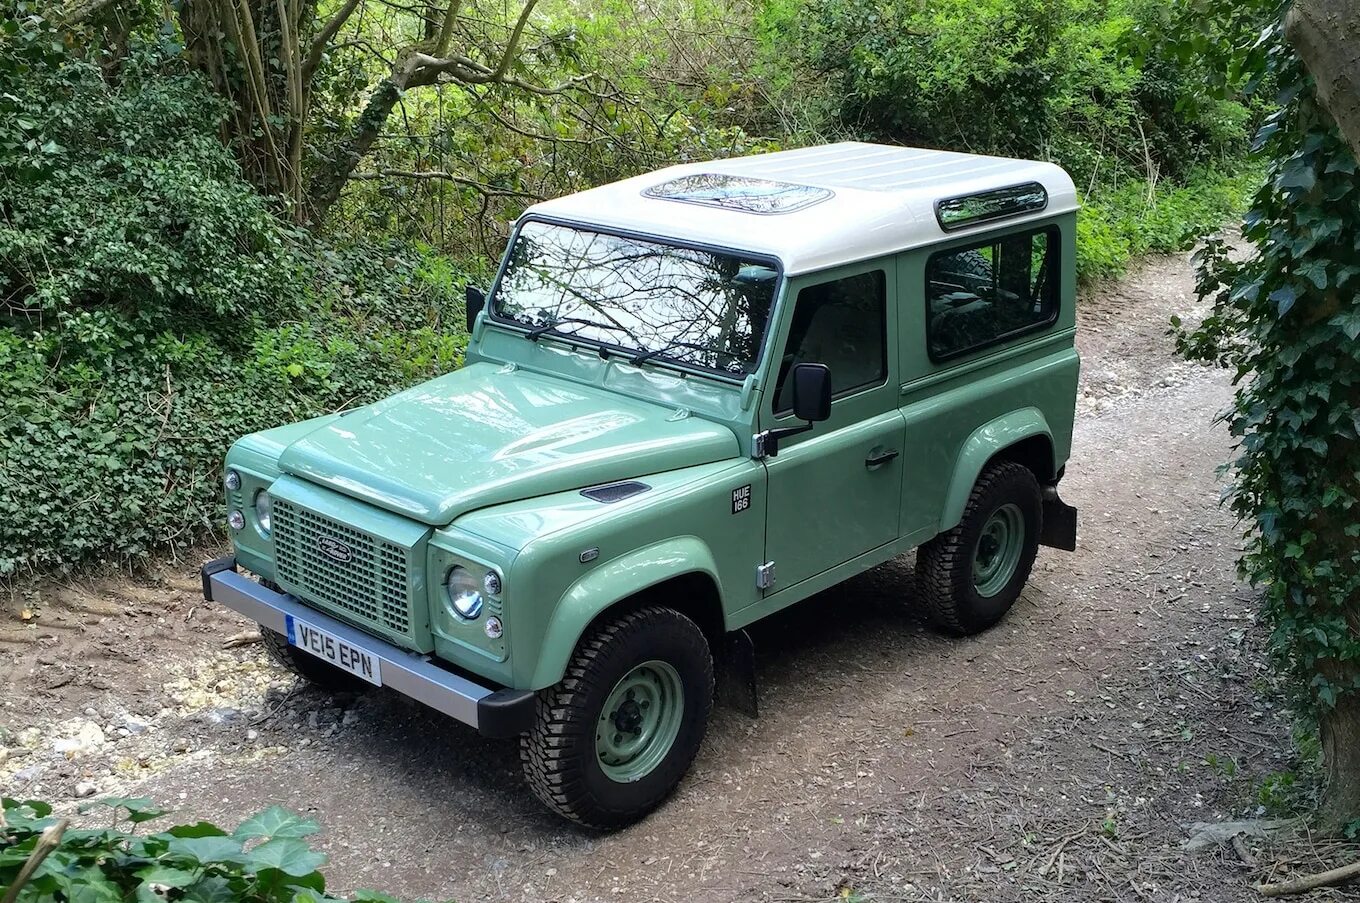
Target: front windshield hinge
[{"x": 758, "y": 446}]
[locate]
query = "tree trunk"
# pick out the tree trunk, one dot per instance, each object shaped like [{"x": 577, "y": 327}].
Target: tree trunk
[
  {"x": 330, "y": 178},
  {"x": 1340, "y": 730},
  {"x": 1326, "y": 34}
]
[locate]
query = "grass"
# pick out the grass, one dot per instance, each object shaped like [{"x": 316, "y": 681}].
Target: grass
[{"x": 1120, "y": 224}]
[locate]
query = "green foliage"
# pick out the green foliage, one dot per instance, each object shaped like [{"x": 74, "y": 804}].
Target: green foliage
[
  {"x": 1287, "y": 321},
  {"x": 1278, "y": 793},
  {"x": 1076, "y": 81},
  {"x": 1118, "y": 225},
  {"x": 152, "y": 309},
  {"x": 265, "y": 860},
  {"x": 123, "y": 191}
]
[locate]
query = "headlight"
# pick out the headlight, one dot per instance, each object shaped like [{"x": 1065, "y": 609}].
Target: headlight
[
  {"x": 264, "y": 507},
  {"x": 464, "y": 592}
]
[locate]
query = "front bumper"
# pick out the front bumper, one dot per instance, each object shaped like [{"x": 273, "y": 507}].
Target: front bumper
[{"x": 494, "y": 713}]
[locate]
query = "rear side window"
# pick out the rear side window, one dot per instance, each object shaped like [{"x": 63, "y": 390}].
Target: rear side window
[
  {"x": 991, "y": 292},
  {"x": 843, "y": 324}
]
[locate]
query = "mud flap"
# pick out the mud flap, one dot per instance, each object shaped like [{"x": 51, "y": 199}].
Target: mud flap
[
  {"x": 1060, "y": 522},
  {"x": 737, "y": 675}
]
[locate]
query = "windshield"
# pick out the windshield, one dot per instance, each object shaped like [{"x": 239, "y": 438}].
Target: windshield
[{"x": 708, "y": 309}]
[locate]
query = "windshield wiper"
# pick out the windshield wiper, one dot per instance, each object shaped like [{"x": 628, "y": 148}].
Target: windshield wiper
[
  {"x": 535, "y": 332},
  {"x": 646, "y": 356}
]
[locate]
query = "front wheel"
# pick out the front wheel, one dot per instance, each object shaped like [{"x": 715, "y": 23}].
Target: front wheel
[
  {"x": 616, "y": 735},
  {"x": 972, "y": 574}
]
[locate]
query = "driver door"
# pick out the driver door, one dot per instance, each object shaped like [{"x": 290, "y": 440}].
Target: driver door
[{"x": 834, "y": 492}]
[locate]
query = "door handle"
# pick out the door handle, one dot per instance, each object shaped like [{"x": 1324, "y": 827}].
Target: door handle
[{"x": 880, "y": 459}]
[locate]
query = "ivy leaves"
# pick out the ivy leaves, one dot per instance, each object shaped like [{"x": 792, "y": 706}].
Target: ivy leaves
[
  {"x": 265, "y": 860},
  {"x": 1287, "y": 320}
]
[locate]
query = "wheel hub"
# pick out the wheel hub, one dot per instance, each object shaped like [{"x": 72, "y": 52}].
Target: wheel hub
[
  {"x": 639, "y": 721},
  {"x": 998, "y": 551},
  {"x": 628, "y": 718}
]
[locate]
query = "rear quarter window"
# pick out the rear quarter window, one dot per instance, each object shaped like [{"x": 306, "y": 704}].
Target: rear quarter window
[{"x": 990, "y": 292}]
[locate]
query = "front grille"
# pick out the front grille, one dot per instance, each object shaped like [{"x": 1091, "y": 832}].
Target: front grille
[{"x": 371, "y": 586}]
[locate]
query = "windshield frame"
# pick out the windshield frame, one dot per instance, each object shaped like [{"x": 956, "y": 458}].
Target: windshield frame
[{"x": 612, "y": 349}]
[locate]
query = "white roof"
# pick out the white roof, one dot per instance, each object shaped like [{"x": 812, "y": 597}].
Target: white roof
[{"x": 882, "y": 201}]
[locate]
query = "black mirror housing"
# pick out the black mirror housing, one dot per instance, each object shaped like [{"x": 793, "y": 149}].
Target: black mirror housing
[
  {"x": 476, "y": 300},
  {"x": 812, "y": 392}
]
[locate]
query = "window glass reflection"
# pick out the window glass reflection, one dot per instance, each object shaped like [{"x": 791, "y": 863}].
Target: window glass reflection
[{"x": 705, "y": 308}]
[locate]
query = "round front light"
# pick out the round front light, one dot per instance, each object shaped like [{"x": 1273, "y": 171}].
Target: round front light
[
  {"x": 264, "y": 507},
  {"x": 464, "y": 593},
  {"x": 492, "y": 583},
  {"x": 232, "y": 481},
  {"x": 494, "y": 629},
  {"x": 236, "y": 520}
]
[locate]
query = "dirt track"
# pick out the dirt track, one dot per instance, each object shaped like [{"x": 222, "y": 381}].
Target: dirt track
[{"x": 1063, "y": 755}]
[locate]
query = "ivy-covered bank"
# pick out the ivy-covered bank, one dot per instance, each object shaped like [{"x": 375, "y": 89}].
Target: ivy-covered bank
[
  {"x": 152, "y": 308},
  {"x": 1286, "y": 321}
]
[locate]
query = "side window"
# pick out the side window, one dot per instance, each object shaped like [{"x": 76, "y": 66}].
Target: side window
[
  {"x": 843, "y": 324},
  {"x": 989, "y": 292}
]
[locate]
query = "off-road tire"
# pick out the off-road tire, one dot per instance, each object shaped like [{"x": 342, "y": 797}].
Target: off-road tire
[
  {"x": 322, "y": 675},
  {"x": 559, "y": 754},
  {"x": 944, "y": 566}
]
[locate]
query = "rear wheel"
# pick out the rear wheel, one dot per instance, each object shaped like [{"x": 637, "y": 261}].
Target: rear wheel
[
  {"x": 972, "y": 574},
  {"x": 322, "y": 675},
  {"x": 616, "y": 735}
]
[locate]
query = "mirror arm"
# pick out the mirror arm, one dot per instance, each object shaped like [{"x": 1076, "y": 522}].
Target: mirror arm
[{"x": 767, "y": 443}]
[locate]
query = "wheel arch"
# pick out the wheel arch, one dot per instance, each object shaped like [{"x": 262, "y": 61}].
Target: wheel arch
[
  {"x": 678, "y": 573},
  {"x": 1022, "y": 436}
]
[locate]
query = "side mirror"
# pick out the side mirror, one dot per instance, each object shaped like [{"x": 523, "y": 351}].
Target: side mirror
[
  {"x": 811, "y": 402},
  {"x": 812, "y": 392},
  {"x": 476, "y": 300}
]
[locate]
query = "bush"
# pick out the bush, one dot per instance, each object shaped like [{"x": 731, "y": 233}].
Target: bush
[
  {"x": 1081, "y": 82},
  {"x": 1118, "y": 225},
  {"x": 154, "y": 309},
  {"x": 265, "y": 860}
]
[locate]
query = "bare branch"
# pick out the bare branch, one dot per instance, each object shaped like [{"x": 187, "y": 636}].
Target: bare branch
[
  {"x": 87, "y": 10},
  {"x": 512, "y": 46},
  {"x": 441, "y": 44},
  {"x": 325, "y": 36},
  {"x": 444, "y": 177}
]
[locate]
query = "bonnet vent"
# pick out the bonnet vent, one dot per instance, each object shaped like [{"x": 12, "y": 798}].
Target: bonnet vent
[{"x": 615, "y": 492}]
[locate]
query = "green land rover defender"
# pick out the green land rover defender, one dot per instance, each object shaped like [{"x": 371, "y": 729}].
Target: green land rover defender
[{"x": 691, "y": 399}]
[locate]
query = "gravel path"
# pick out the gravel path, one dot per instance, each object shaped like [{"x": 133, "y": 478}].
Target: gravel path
[{"x": 1064, "y": 755}]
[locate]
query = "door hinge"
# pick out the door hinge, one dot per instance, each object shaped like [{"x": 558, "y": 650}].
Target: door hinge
[{"x": 765, "y": 575}]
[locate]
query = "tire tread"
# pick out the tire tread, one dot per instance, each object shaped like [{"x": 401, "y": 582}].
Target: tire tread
[
  {"x": 944, "y": 565},
  {"x": 553, "y": 752}
]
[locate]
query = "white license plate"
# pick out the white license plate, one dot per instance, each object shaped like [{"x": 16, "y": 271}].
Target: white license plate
[{"x": 328, "y": 647}]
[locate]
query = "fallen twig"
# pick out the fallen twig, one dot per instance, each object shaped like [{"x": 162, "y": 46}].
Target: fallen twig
[
  {"x": 244, "y": 638},
  {"x": 1240, "y": 848},
  {"x": 1058, "y": 848},
  {"x": 1311, "y": 882}
]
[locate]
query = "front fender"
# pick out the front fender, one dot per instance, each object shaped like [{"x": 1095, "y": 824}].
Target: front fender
[
  {"x": 980, "y": 447},
  {"x": 608, "y": 584}
]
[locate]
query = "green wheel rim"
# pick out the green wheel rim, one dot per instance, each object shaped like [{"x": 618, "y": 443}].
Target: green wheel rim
[
  {"x": 640, "y": 721},
  {"x": 998, "y": 550}
]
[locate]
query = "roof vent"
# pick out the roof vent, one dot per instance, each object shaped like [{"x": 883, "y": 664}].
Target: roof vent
[
  {"x": 740, "y": 193},
  {"x": 986, "y": 206},
  {"x": 615, "y": 492}
]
